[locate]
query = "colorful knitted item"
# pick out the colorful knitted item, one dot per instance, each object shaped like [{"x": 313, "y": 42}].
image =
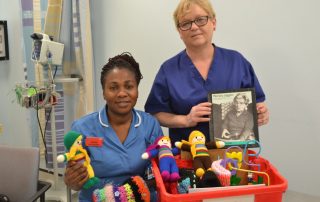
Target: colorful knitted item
[
  {"x": 142, "y": 188},
  {"x": 70, "y": 138},
  {"x": 76, "y": 152},
  {"x": 198, "y": 147},
  {"x": 163, "y": 150},
  {"x": 132, "y": 190},
  {"x": 222, "y": 173},
  {"x": 183, "y": 186},
  {"x": 188, "y": 180}
]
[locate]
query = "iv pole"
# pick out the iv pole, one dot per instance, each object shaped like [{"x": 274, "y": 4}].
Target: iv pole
[
  {"x": 52, "y": 89},
  {"x": 53, "y": 123},
  {"x": 52, "y": 82}
]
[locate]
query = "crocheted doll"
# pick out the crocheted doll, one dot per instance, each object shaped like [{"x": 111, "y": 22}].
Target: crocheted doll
[
  {"x": 73, "y": 143},
  {"x": 167, "y": 164},
  {"x": 134, "y": 189},
  {"x": 199, "y": 150}
]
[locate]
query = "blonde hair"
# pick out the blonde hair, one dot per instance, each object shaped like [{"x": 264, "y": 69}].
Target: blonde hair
[{"x": 184, "y": 6}]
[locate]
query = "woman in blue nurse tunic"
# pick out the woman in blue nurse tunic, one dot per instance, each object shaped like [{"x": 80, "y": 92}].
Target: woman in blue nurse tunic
[{"x": 120, "y": 134}]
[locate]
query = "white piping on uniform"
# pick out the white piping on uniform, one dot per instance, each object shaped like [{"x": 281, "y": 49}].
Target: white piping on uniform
[
  {"x": 136, "y": 125},
  {"x": 105, "y": 125},
  {"x": 139, "y": 120}
]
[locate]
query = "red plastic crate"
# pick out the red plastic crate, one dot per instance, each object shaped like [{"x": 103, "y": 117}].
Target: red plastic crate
[{"x": 271, "y": 193}]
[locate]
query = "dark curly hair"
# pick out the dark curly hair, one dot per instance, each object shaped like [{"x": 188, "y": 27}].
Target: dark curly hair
[{"x": 125, "y": 61}]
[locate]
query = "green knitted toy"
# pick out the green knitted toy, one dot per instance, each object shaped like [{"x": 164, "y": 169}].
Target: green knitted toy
[{"x": 73, "y": 143}]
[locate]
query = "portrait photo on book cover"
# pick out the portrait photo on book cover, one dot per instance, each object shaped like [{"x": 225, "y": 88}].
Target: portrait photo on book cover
[{"x": 234, "y": 117}]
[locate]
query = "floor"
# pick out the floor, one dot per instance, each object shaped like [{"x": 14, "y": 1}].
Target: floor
[
  {"x": 292, "y": 196},
  {"x": 58, "y": 193}
]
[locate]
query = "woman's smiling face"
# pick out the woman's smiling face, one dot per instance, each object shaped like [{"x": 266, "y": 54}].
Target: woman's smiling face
[
  {"x": 120, "y": 91},
  {"x": 197, "y": 35}
]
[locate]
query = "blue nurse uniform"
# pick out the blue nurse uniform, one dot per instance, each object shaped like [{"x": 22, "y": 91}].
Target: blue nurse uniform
[{"x": 114, "y": 162}]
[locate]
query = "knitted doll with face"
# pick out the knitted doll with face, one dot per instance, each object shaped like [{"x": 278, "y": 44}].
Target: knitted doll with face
[
  {"x": 73, "y": 143},
  {"x": 167, "y": 164},
  {"x": 199, "y": 150}
]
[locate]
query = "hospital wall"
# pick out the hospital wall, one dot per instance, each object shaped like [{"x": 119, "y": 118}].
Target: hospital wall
[{"x": 14, "y": 119}]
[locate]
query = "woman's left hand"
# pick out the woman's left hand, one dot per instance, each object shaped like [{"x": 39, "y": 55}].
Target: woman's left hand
[{"x": 263, "y": 113}]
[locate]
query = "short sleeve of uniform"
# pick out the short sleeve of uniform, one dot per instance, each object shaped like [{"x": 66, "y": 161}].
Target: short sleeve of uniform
[
  {"x": 152, "y": 125},
  {"x": 159, "y": 97},
  {"x": 250, "y": 80}
]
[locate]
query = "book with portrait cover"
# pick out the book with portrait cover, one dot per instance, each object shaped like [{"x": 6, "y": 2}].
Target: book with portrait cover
[{"x": 234, "y": 117}]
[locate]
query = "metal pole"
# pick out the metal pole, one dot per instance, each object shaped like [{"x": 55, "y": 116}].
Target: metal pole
[{"x": 54, "y": 146}]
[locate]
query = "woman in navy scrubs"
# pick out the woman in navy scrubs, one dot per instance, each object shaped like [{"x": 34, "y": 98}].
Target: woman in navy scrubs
[{"x": 179, "y": 95}]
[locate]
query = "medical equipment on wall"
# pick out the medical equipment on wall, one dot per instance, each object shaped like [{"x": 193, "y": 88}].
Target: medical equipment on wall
[
  {"x": 44, "y": 48},
  {"x": 36, "y": 96},
  {"x": 42, "y": 94}
]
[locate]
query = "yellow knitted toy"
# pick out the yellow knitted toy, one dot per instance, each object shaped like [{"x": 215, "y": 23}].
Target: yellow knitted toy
[
  {"x": 73, "y": 143},
  {"x": 199, "y": 150}
]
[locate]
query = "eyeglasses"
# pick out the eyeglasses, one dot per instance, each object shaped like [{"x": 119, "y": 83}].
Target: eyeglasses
[{"x": 200, "y": 21}]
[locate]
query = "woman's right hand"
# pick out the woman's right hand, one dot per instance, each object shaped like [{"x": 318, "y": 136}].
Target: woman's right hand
[
  {"x": 75, "y": 175},
  {"x": 199, "y": 113}
]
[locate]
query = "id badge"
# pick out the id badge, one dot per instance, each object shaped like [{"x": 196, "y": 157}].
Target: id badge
[{"x": 94, "y": 141}]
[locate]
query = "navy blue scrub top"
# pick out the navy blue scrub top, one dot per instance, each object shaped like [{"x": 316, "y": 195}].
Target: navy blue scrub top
[{"x": 179, "y": 86}]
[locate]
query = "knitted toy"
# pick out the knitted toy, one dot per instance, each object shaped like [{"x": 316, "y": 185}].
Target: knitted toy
[
  {"x": 221, "y": 172},
  {"x": 199, "y": 150},
  {"x": 134, "y": 189},
  {"x": 188, "y": 180},
  {"x": 167, "y": 164},
  {"x": 73, "y": 143}
]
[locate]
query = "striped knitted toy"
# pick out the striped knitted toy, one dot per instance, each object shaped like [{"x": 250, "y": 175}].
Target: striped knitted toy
[
  {"x": 167, "y": 164},
  {"x": 134, "y": 189},
  {"x": 198, "y": 147}
]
